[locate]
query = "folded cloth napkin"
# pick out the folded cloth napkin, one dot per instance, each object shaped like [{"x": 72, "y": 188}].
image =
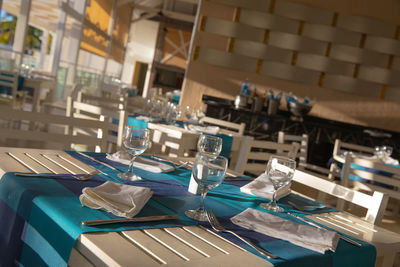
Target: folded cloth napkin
[
  {"x": 303, "y": 235},
  {"x": 204, "y": 129},
  {"x": 262, "y": 187},
  {"x": 142, "y": 163},
  {"x": 120, "y": 199}
]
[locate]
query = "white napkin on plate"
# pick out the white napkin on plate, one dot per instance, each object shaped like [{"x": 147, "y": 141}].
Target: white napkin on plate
[
  {"x": 204, "y": 129},
  {"x": 120, "y": 199},
  {"x": 262, "y": 187},
  {"x": 142, "y": 163},
  {"x": 302, "y": 235}
]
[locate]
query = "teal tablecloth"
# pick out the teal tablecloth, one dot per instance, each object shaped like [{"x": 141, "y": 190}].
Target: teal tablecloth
[{"x": 40, "y": 217}]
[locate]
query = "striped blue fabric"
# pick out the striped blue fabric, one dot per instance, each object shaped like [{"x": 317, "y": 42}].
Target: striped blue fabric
[{"x": 40, "y": 218}]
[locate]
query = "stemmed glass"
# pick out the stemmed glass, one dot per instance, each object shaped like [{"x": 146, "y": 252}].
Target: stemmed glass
[
  {"x": 280, "y": 172},
  {"x": 208, "y": 174},
  {"x": 135, "y": 142},
  {"x": 383, "y": 152},
  {"x": 209, "y": 145}
]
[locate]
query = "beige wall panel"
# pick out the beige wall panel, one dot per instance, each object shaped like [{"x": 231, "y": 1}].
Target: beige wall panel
[
  {"x": 216, "y": 10},
  {"x": 358, "y": 55},
  {"x": 288, "y": 72},
  {"x": 227, "y": 60},
  {"x": 396, "y": 63},
  {"x": 303, "y": 13},
  {"x": 209, "y": 40},
  {"x": 296, "y": 43},
  {"x": 331, "y": 34},
  {"x": 268, "y": 21},
  {"x": 383, "y": 45},
  {"x": 379, "y": 75},
  {"x": 325, "y": 64},
  {"x": 262, "y": 51},
  {"x": 392, "y": 93},
  {"x": 232, "y": 29},
  {"x": 262, "y": 5},
  {"x": 351, "y": 85},
  {"x": 365, "y": 25}
]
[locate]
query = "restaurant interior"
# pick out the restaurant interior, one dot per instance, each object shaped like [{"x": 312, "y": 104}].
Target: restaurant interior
[{"x": 192, "y": 132}]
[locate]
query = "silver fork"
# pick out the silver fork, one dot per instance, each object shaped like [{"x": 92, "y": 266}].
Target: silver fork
[
  {"x": 82, "y": 178},
  {"x": 215, "y": 224}
]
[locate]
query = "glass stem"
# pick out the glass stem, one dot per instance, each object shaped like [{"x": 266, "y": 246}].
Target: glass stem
[
  {"x": 273, "y": 202},
  {"x": 130, "y": 168},
  {"x": 203, "y": 197}
]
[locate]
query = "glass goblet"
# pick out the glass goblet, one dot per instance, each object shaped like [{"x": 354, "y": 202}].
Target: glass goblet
[
  {"x": 208, "y": 174},
  {"x": 209, "y": 145},
  {"x": 135, "y": 142},
  {"x": 280, "y": 172}
]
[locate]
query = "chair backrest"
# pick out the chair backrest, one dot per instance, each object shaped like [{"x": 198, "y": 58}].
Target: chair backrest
[
  {"x": 371, "y": 175},
  {"x": 375, "y": 204},
  {"x": 341, "y": 147},
  {"x": 108, "y": 103},
  {"x": 255, "y": 154},
  {"x": 52, "y": 137},
  {"x": 284, "y": 138},
  {"x": 116, "y": 119},
  {"x": 9, "y": 87},
  {"x": 226, "y": 126}
]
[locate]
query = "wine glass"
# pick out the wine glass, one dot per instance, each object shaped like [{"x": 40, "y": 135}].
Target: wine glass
[
  {"x": 209, "y": 145},
  {"x": 208, "y": 174},
  {"x": 280, "y": 172},
  {"x": 383, "y": 152},
  {"x": 135, "y": 142}
]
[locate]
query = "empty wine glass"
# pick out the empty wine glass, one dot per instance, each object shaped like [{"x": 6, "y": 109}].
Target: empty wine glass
[
  {"x": 280, "y": 172},
  {"x": 208, "y": 174},
  {"x": 383, "y": 152},
  {"x": 135, "y": 142},
  {"x": 209, "y": 145}
]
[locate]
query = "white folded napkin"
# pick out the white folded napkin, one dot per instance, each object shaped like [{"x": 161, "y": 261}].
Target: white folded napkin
[
  {"x": 303, "y": 235},
  {"x": 142, "y": 163},
  {"x": 262, "y": 187},
  {"x": 204, "y": 129},
  {"x": 120, "y": 199}
]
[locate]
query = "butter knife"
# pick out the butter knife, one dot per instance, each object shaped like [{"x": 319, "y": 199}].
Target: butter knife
[
  {"x": 98, "y": 161},
  {"x": 137, "y": 219},
  {"x": 351, "y": 241}
]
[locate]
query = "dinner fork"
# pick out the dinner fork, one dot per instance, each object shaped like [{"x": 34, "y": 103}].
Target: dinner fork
[{"x": 215, "y": 224}]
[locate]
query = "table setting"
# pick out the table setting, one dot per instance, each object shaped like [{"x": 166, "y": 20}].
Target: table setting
[{"x": 49, "y": 215}]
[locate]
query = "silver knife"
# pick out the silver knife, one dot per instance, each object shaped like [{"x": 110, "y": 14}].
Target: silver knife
[
  {"x": 98, "y": 161},
  {"x": 351, "y": 241},
  {"x": 137, "y": 219}
]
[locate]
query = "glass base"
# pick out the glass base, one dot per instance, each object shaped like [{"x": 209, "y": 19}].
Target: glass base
[
  {"x": 198, "y": 215},
  {"x": 272, "y": 207},
  {"x": 129, "y": 176}
]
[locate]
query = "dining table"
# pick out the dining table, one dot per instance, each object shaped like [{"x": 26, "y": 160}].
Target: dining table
[
  {"x": 41, "y": 220},
  {"x": 186, "y": 137}
]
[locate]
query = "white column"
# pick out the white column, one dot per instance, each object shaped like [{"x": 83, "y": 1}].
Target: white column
[
  {"x": 20, "y": 31},
  {"x": 43, "y": 49},
  {"x": 109, "y": 34},
  {"x": 59, "y": 38},
  {"x": 79, "y": 11}
]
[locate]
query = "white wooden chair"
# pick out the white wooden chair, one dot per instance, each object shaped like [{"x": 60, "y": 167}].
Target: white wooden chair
[
  {"x": 386, "y": 243},
  {"x": 9, "y": 82},
  {"x": 226, "y": 127},
  {"x": 61, "y": 137},
  {"x": 302, "y": 156},
  {"x": 255, "y": 154},
  {"x": 374, "y": 174},
  {"x": 115, "y": 118},
  {"x": 104, "y": 102},
  {"x": 375, "y": 204}
]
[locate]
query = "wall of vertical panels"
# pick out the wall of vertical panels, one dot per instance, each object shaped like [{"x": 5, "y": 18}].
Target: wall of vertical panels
[{"x": 300, "y": 43}]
